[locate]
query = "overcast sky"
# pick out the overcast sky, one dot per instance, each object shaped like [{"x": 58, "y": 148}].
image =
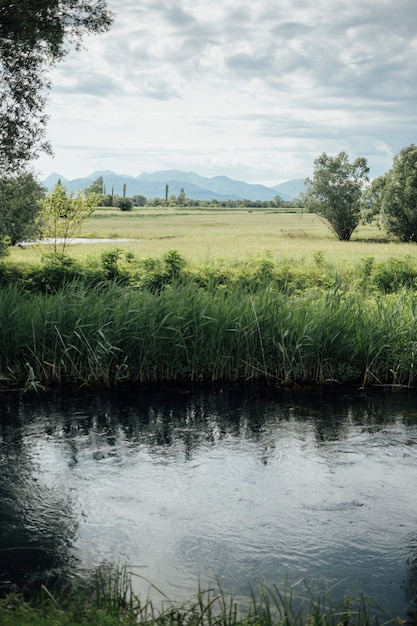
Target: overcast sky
[{"x": 250, "y": 90}]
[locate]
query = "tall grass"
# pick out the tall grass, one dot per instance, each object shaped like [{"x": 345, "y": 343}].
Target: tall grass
[
  {"x": 110, "y": 333},
  {"x": 111, "y": 601},
  {"x": 291, "y": 275}
]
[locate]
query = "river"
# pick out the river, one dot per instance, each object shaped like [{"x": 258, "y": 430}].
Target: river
[{"x": 188, "y": 485}]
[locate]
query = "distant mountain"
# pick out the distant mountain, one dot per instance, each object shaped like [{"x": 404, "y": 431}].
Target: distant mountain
[
  {"x": 52, "y": 180},
  {"x": 195, "y": 186},
  {"x": 290, "y": 187}
]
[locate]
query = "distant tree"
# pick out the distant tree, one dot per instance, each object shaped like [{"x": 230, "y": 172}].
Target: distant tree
[
  {"x": 278, "y": 201},
  {"x": 34, "y": 35},
  {"x": 391, "y": 199},
  {"x": 19, "y": 207},
  {"x": 155, "y": 202},
  {"x": 124, "y": 204},
  {"x": 334, "y": 193},
  {"x": 97, "y": 187},
  {"x": 105, "y": 200},
  {"x": 139, "y": 200},
  {"x": 166, "y": 193},
  {"x": 61, "y": 216},
  {"x": 181, "y": 200}
]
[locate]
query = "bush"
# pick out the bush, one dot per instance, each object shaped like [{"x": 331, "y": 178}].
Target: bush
[
  {"x": 124, "y": 204},
  {"x": 395, "y": 274},
  {"x": 55, "y": 272}
]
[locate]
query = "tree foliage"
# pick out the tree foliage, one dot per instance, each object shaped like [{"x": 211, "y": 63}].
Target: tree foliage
[
  {"x": 35, "y": 35},
  {"x": 124, "y": 204},
  {"x": 19, "y": 207},
  {"x": 392, "y": 198},
  {"x": 61, "y": 216},
  {"x": 335, "y": 191},
  {"x": 97, "y": 187}
]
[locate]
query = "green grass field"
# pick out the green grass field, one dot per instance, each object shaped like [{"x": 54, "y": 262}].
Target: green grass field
[
  {"x": 208, "y": 295},
  {"x": 206, "y": 235}
]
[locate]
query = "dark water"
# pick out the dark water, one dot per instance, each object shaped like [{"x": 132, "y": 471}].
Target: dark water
[{"x": 245, "y": 486}]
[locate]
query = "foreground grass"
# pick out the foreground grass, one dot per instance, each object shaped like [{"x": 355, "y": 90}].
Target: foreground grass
[
  {"x": 117, "y": 318},
  {"x": 111, "y": 601},
  {"x": 180, "y": 327}
]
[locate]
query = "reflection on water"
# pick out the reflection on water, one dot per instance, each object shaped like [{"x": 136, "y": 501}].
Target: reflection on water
[{"x": 246, "y": 486}]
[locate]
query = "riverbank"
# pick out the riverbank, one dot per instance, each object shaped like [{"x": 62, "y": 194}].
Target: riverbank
[
  {"x": 121, "y": 321},
  {"x": 110, "y": 601}
]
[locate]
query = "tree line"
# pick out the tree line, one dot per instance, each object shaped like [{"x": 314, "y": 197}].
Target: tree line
[{"x": 126, "y": 203}]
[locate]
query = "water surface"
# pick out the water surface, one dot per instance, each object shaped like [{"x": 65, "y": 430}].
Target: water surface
[{"x": 242, "y": 485}]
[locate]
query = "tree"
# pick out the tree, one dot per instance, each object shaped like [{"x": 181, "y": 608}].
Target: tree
[
  {"x": 34, "y": 36},
  {"x": 61, "y": 216},
  {"x": 391, "y": 199},
  {"x": 97, "y": 187},
  {"x": 139, "y": 200},
  {"x": 124, "y": 204},
  {"x": 19, "y": 207},
  {"x": 278, "y": 201},
  {"x": 335, "y": 191},
  {"x": 181, "y": 198}
]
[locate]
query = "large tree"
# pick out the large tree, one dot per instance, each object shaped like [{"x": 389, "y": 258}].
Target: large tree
[
  {"x": 392, "y": 198},
  {"x": 18, "y": 208},
  {"x": 335, "y": 191},
  {"x": 35, "y": 35}
]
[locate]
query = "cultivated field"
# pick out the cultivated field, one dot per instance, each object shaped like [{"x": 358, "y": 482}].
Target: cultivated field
[{"x": 206, "y": 235}]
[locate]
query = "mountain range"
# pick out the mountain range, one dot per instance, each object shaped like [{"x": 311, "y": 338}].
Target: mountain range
[{"x": 195, "y": 186}]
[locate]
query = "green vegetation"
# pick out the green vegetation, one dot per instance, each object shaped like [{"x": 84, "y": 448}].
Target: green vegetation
[
  {"x": 207, "y": 235},
  {"x": 61, "y": 215},
  {"x": 335, "y": 192},
  {"x": 19, "y": 198},
  {"x": 110, "y": 601},
  {"x": 121, "y": 319},
  {"x": 392, "y": 198},
  {"x": 35, "y": 36},
  {"x": 306, "y": 310}
]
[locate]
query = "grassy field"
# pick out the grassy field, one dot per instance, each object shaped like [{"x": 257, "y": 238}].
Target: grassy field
[
  {"x": 207, "y": 295},
  {"x": 206, "y": 235}
]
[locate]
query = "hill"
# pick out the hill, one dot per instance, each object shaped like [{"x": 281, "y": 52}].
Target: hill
[{"x": 195, "y": 186}]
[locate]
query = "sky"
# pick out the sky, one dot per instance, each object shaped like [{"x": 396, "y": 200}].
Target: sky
[{"x": 250, "y": 90}]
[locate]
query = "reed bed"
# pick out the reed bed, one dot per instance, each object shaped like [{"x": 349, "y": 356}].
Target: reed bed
[{"x": 110, "y": 333}]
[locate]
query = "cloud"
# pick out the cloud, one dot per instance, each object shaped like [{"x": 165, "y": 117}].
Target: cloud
[
  {"x": 95, "y": 84},
  {"x": 276, "y": 79},
  {"x": 160, "y": 89}
]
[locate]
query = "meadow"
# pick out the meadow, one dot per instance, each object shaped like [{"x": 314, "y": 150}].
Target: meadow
[
  {"x": 210, "y": 295},
  {"x": 204, "y": 235}
]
